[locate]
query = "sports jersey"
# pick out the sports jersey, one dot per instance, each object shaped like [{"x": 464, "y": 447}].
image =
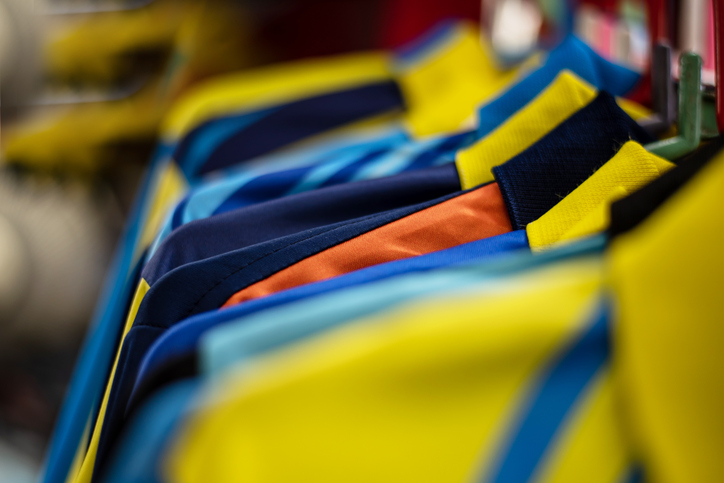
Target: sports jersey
[
  {"x": 230, "y": 140},
  {"x": 292, "y": 213},
  {"x": 554, "y": 166},
  {"x": 572, "y": 55},
  {"x": 248, "y": 92},
  {"x": 572, "y": 413},
  {"x": 426, "y": 384},
  {"x": 178, "y": 344},
  {"x": 191, "y": 289},
  {"x": 320, "y": 314},
  {"x": 551, "y": 107},
  {"x": 627, "y": 213},
  {"x": 443, "y": 91},
  {"x": 236, "y": 229},
  {"x": 223, "y": 141},
  {"x": 631, "y": 168},
  {"x": 213, "y": 111},
  {"x": 626, "y": 167},
  {"x": 149, "y": 222}
]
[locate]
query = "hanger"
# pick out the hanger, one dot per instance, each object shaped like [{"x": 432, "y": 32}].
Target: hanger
[
  {"x": 707, "y": 106},
  {"x": 660, "y": 23},
  {"x": 663, "y": 93},
  {"x": 690, "y": 112}
]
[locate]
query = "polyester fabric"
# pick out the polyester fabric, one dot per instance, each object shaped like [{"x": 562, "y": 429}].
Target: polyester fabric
[
  {"x": 451, "y": 395},
  {"x": 560, "y": 100},
  {"x": 551, "y": 168},
  {"x": 86, "y": 472},
  {"x": 255, "y": 93},
  {"x": 543, "y": 175},
  {"x": 572, "y": 55},
  {"x": 177, "y": 346},
  {"x": 627, "y": 213},
  {"x": 207, "y": 284},
  {"x": 474, "y": 215},
  {"x": 630, "y": 169},
  {"x": 280, "y": 326},
  {"x": 202, "y": 239},
  {"x": 217, "y": 234},
  {"x": 667, "y": 277}
]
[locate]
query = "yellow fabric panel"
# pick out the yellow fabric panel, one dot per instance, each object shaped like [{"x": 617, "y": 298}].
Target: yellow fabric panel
[
  {"x": 633, "y": 109},
  {"x": 80, "y": 138},
  {"x": 594, "y": 222},
  {"x": 668, "y": 277},
  {"x": 444, "y": 91},
  {"x": 631, "y": 168},
  {"x": 171, "y": 186},
  {"x": 86, "y": 470},
  {"x": 561, "y": 99},
  {"x": 214, "y": 38},
  {"x": 594, "y": 447},
  {"x": 98, "y": 47},
  {"x": 566, "y": 94},
  {"x": 200, "y": 39},
  {"x": 273, "y": 84},
  {"x": 424, "y": 393},
  {"x": 79, "y": 453}
]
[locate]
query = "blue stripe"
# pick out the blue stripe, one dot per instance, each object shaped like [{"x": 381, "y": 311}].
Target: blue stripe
[
  {"x": 635, "y": 474},
  {"x": 93, "y": 363},
  {"x": 323, "y": 172},
  {"x": 345, "y": 174},
  {"x": 552, "y": 403},
  {"x": 445, "y": 151},
  {"x": 396, "y": 160},
  {"x": 149, "y": 433},
  {"x": 325, "y": 146},
  {"x": 206, "y": 198},
  {"x": 298, "y": 121},
  {"x": 194, "y": 150},
  {"x": 265, "y": 187},
  {"x": 178, "y": 213}
]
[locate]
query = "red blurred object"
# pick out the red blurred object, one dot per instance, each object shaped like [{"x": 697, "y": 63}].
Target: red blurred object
[
  {"x": 660, "y": 29},
  {"x": 659, "y": 20},
  {"x": 719, "y": 49},
  {"x": 405, "y": 20},
  {"x": 609, "y": 6},
  {"x": 311, "y": 28}
]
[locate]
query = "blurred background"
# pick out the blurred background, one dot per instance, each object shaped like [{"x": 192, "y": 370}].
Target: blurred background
[{"x": 84, "y": 87}]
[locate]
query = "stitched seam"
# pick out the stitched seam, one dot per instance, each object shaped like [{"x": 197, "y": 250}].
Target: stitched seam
[
  {"x": 248, "y": 264},
  {"x": 200, "y": 299},
  {"x": 237, "y": 270}
]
